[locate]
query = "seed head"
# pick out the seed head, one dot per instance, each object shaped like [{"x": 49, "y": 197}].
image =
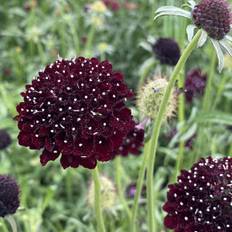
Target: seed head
[
  {"x": 9, "y": 196},
  {"x": 214, "y": 16},
  {"x": 5, "y": 139},
  {"x": 202, "y": 199},
  {"x": 108, "y": 193},
  {"x": 76, "y": 109},
  {"x": 167, "y": 51},
  {"x": 151, "y": 96}
]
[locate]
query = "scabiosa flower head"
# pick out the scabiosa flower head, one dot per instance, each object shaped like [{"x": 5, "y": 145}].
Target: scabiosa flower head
[
  {"x": 202, "y": 199},
  {"x": 151, "y": 96},
  {"x": 214, "y": 17},
  {"x": 75, "y": 109},
  {"x": 113, "y": 5},
  {"x": 108, "y": 193},
  {"x": 9, "y": 196},
  {"x": 5, "y": 139},
  {"x": 133, "y": 142},
  {"x": 131, "y": 191},
  {"x": 167, "y": 51},
  {"x": 195, "y": 84}
]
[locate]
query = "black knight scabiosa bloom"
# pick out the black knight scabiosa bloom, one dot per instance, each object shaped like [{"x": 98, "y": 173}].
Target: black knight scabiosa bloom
[
  {"x": 195, "y": 84},
  {"x": 167, "y": 51},
  {"x": 9, "y": 196},
  {"x": 75, "y": 109},
  {"x": 202, "y": 199},
  {"x": 5, "y": 139},
  {"x": 133, "y": 142},
  {"x": 213, "y": 17}
]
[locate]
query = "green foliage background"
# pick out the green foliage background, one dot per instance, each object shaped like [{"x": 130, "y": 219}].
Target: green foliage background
[{"x": 53, "y": 199}]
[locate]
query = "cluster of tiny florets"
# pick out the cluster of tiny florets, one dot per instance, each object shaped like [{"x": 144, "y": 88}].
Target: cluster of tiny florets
[
  {"x": 167, "y": 51},
  {"x": 195, "y": 84},
  {"x": 214, "y": 16},
  {"x": 151, "y": 96},
  {"x": 76, "y": 109},
  {"x": 5, "y": 139},
  {"x": 202, "y": 199},
  {"x": 9, "y": 196},
  {"x": 132, "y": 143}
]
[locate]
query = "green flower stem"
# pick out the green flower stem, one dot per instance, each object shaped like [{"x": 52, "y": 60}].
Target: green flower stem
[
  {"x": 139, "y": 187},
  {"x": 181, "y": 119},
  {"x": 97, "y": 201},
  {"x": 157, "y": 126},
  {"x": 206, "y": 107},
  {"x": 12, "y": 222},
  {"x": 118, "y": 169},
  {"x": 208, "y": 91}
]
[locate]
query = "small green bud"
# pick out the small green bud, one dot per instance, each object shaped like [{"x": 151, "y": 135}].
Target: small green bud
[{"x": 151, "y": 96}]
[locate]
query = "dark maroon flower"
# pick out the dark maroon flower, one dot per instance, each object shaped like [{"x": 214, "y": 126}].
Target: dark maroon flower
[
  {"x": 195, "y": 84},
  {"x": 202, "y": 199},
  {"x": 75, "y": 108},
  {"x": 113, "y": 5},
  {"x": 9, "y": 196},
  {"x": 131, "y": 191},
  {"x": 5, "y": 139},
  {"x": 214, "y": 16},
  {"x": 132, "y": 143},
  {"x": 167, "y": 51}
]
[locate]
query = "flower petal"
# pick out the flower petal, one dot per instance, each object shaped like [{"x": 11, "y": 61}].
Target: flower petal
[
  {"x": 190, "y": 31},
  {"x": 202, "y": 39},
  {"x": 227, "y": 46},
  {"x": 219, "y": 54}
]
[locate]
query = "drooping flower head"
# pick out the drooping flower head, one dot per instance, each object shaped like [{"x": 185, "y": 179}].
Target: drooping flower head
[
  {"x": 5, "y": 139},
  {"x": 133, "y": 142},
  {"x": 75, "y": 109},
  {"x": 195, "y": 84},
  {"x": 202, "y": 199},
  {"x": 167, "y": 51},
  {"x": 9, "y": 196},
  {"x": 213, "y": 17},
  {"x": 151, "y": 96}
]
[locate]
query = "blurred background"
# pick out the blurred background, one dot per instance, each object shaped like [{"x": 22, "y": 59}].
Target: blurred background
[{"x": 35, "y": 33}]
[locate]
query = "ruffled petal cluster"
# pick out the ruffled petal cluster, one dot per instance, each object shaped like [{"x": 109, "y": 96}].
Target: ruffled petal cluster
[
  {"x": 201, "y": 200},
  {"x": 75, "y": 109}
]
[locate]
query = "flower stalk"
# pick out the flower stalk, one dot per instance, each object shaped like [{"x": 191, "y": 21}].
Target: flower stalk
[
  {"x": 97, "y": 201},
  {"x": 157, "y": 126}
]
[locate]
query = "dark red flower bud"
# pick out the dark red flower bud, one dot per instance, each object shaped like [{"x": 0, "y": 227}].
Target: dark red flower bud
[
  {"x": 195, "y": 84},
  {"x": 214, "y": 16},
  {"x": 167, "y": 51},
  {"x": 202, "y": 199},
  {"x": 5, "y": 139},
  {"x": 76, "y": 109},
  {"x": 9, "y": 196}
]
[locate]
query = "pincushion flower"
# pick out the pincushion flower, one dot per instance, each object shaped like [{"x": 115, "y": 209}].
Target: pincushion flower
[
  {"x": 195, "y": 84},
  {"x": 75, "y": 109},
  {"x": 133, "y": 142},
  {"x": 213, "y": 17},
  {"x": 5, "y": 139},
  {"x": 9, "y": 196},
  {"x": 167, "y": 51},
  {"x": 201, "y": 200}
]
